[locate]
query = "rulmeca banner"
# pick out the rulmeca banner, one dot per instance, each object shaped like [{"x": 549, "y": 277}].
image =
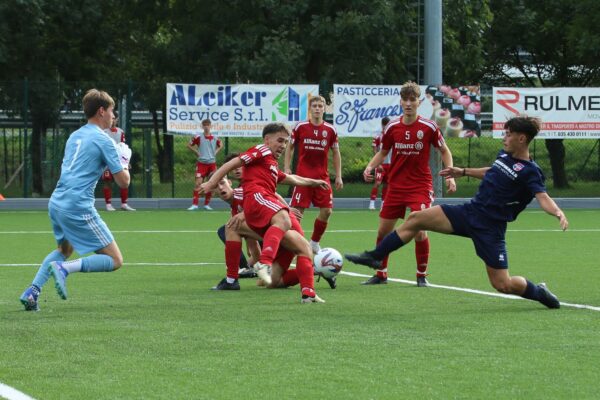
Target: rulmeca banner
[
  {"x": 235, "y": 110},
  {"x": 566, "y": 113}
]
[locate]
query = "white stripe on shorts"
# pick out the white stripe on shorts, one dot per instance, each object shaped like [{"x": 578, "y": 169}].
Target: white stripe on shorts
[
  {"x": 267, "y": 203},
  {"x": 97, "y": 230}
]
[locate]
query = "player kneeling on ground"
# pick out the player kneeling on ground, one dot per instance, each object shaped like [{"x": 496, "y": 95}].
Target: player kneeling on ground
[
  {"x": 507, "y": 187},
  {"x": 265, "y": 213}
]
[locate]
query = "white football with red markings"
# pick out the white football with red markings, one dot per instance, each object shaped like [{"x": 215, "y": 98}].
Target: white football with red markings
[{"x": 328, "y": 262}]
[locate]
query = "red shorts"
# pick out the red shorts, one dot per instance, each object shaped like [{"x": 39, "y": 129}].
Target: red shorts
[
  {"x": 395, "y": 205},
  {"x": 203, "y": 170},
  {"x": 303, "y": 196},
  {"x": 259, "y": 209},
  {"x": 381, "y": 174},
  {"x": 107, "y": 176}
]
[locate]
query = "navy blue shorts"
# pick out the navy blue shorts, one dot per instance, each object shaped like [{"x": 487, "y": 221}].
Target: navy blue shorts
[{"x": 487, "y": 234}]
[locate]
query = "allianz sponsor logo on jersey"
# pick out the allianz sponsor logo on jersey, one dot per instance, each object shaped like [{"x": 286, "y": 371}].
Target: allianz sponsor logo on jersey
[
  {"x": 315, "y": 144},
  {"x": 402, "y": 147}
]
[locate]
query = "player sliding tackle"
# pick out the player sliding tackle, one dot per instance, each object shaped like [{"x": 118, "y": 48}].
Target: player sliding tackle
[
  {"x": 265, "y": 213},
  {"x": 507, "y": 187}
]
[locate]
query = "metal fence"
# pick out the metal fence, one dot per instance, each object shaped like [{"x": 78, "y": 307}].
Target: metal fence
[{"x": 163, "y": 167}]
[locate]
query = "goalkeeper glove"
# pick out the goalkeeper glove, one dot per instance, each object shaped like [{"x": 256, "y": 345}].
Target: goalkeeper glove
[{"x": 124, "y": 154}]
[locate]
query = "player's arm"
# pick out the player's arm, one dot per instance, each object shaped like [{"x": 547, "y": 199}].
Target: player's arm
[
  {"x": 193, "y": 148},
  {"x": 221, "y": 172},
  {"x": 448, "y": 162},
  {"x": 297, "y": 180},
  {"x": 374, "y": 163},
  {"x": 219, "y": 147},
  {"x": 337, "y": 166},
  {"x": 287, "y": 158},
  {"x": 457, "y": 172},
  {"x": 253, "y": 249},
  {"x": 551, "y": 208},
  {"x": 122, "y": 178}
]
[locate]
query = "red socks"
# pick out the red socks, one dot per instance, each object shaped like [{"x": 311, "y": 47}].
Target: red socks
[
  {"x": 382, "y": 273},
  {"x": 195, "y": 198},
  {"x": 318, "y": 230},
  {"x": 124, "y": 195},
  {"x": 374, "y": 193},
  {"x": 290, "y": 278},
  {"x": 107, "y": 194},
  {"x": 306, "y": 276},
  {"x": 207, "y": 197},
  {"x": 233, "y": 251},
  {"x": 271, "y": 242},
  {"x": 422, "y": 255}
]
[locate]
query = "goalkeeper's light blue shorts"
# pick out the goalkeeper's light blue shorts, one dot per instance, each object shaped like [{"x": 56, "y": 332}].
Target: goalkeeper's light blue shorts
[{"x": 84, "y": 230}]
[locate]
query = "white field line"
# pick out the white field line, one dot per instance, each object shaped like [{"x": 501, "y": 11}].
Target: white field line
[
  {"x": 354, "y": 274},
  {"x": 9, "y": 393},
  {"x": 473, "y": 291},
  {"x": 329, "y": 231}
]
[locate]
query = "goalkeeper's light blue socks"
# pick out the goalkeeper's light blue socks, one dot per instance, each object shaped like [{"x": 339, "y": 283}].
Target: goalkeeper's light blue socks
[
  {"x": 95, "y": 263},
  {"x": 43, "y": 273}
]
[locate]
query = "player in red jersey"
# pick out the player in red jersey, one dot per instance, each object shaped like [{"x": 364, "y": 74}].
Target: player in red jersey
[
  {"x": 118, "y": 136},
  {"x": 380, "y": 172},
  {"x": 264, "y": 212},
  {"x": 313, "y": 139},
  {"x": 410, "y": 183},
  {"x": 206, "y": 147}
]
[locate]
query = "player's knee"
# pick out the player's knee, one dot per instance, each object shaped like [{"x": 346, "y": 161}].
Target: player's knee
[
  {"x": 117, "y": 261},
  {"x": 503, "y": 286},
  {"x": 325, "y": 213}
]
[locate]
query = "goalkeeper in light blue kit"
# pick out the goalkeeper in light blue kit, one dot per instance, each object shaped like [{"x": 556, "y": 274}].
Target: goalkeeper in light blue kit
[{"x": 75, "y": 222}]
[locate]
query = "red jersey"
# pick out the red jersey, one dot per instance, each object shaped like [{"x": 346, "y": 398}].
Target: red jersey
[
  {"x": 237, "y": 201},
  {"x": 411, "y": 144},
  {"x": 261, "y": 171},
  {"x": 313, "y": 144}
]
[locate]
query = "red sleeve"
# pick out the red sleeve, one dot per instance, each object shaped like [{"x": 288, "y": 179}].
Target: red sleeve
[
  {"x": 218, "y": 142},
  {"x": 334, "y": 141},
  {"x": 195, "y": 141},
  {"x": 280, "y": 176},
  {"x": 438, "y": 138},
  {"x": 254, "y": 153},
  {"x": 293, "y": 135},
  {"x": 387, "y": 141}
]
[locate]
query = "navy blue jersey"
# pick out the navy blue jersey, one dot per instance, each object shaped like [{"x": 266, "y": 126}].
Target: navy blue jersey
[{"x": 507, "y": 187}]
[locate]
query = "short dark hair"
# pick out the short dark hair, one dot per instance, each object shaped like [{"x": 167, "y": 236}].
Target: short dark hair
[
  {"x": 528, "y": 126},
  {"x": 116, "y": 114},
  {"x": 385, "y": 121},
  {"x": 206, "y": 122},
  {"x": 93, "y": 100},
  {"x": 231, "y": 156},
  {"x": 274, "y": 127}
]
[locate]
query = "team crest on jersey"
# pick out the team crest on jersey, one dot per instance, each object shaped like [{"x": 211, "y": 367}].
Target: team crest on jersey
[
  {"x": 419, "y": 146},
  {"x": 324, "y": 133},
  {"x": 324, "y": 142},
  {"x": 420, "y": 134},
  {"x": 518, "y": 166}
]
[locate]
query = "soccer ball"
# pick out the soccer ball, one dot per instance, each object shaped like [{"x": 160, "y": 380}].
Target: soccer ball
[{"x": 328, "y": 262}]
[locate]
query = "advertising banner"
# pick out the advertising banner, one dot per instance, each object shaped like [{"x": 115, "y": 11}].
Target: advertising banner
[
  {"x": 566, "y": 113},
  {"x": 235, "y": 110},
  {"x": 358, "y": 109}
]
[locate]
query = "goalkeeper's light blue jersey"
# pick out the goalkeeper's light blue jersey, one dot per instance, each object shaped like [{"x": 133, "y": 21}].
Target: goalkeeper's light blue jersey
[{"x": 88, "y": 152}]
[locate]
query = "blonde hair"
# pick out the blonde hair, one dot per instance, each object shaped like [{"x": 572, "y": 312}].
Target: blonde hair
[
  {"x": 316, "y": 98},
  {"x": 410, "y": 89},
  {"x": 93, "y": 100}
]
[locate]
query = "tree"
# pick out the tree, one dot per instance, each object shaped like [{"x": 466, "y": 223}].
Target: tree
[{"x": 553, "y": 43}]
